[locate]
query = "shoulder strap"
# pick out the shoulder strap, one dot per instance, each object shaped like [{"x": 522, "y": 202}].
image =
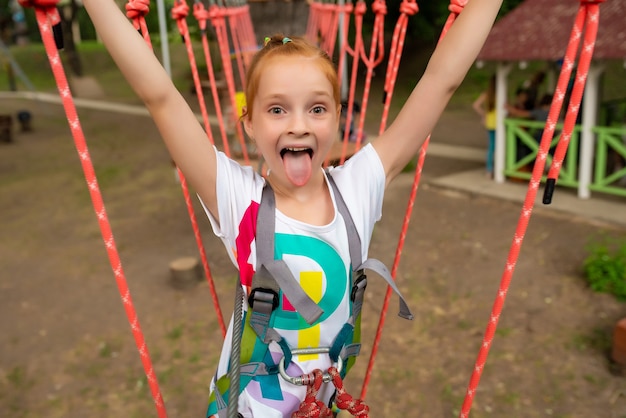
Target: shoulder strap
[
  {"x": 354, "y": 241},
  {"x": 272, "y": 275}
]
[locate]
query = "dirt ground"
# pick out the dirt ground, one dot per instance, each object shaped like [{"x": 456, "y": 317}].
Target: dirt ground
[{"x": 68, "y": 350}]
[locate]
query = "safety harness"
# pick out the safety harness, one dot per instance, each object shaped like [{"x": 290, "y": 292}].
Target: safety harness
[{"x": 270, "y": 279}]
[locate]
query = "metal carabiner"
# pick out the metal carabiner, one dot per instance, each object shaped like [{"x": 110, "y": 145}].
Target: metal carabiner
[{"x": 300, "y": 380}]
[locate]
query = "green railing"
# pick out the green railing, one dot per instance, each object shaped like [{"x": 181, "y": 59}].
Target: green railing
[
  {"x": 610, "y": 153},
  {"x": 610, "y": 172},
  {"x": 525, "y": 132}
]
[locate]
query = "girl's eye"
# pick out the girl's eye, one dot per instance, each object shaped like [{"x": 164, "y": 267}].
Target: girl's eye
[
  {"x": 319, "y": 109},
  {"x": 275, "y": 110}
]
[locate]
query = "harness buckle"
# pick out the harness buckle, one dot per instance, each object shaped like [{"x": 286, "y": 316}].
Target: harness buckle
[
  {"x": 359, "y": 285},
  {"x": 304, "y": 380},
  {"x": 263, "y": 295}
]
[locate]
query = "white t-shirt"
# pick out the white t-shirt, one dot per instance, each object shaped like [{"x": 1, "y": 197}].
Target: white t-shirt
[{"x": 317, "y": 256}]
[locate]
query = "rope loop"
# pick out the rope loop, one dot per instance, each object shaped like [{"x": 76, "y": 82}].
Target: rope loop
[
  {"x": 356, "y": 407},
  {"x": 379, "y": 7},
  {"x": 180, "y": 10},
  {"x": 457, "y": 6},
  {"x": 409, "y": 7},
  {"x": 137, "y": 8},
  {"x": 361, "y": 8}
]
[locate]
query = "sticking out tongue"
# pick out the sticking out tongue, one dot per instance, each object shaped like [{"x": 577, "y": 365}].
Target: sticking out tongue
[{"x": 297, "y": 166}]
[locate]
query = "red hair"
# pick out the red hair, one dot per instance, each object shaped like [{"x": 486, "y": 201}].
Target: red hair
[{"x": 280, "y": 46}]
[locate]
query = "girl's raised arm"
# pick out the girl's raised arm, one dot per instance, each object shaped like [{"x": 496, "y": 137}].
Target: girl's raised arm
[
  {"x": 183, "y": 135},
  {"x": 445, "y": 71}
]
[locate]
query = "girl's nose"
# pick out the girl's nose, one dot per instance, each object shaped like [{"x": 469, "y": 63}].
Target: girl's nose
[{"x": 298, "y": 124}]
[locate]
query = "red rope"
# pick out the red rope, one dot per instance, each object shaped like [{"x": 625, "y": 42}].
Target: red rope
[
  {"x": 217, "y": 16},
  {"x": 588, "y": 16},
  {"x": 202, "y": 15},
  {"x": 136, "y": 11},
  {"x": 179, "y": 13},
  {"x": 359, "y": 11},
  {"x": 407, "y": 8},
  {"x": 311, "y": 407},
  {"x": 47, "y": 16},
  {"x": 370, "y": 61}
]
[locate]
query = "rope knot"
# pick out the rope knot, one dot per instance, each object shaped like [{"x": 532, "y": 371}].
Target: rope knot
[
  {"x": 180, "y": 10},
  {"x": 361, "y": 8},
  {"x": 457, "y": 6},
  {"x": 409, "y": 7},
  {"x": 136, "y": 9},
  {"x": 379, "y": 7},
  {"x": 311, "y": 407},
  {"x": 201, "y": 14},
  {"x": 356, "y": 407}
]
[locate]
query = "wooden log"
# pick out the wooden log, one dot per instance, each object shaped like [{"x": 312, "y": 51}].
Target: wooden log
[{"x": 185, "y": 272}]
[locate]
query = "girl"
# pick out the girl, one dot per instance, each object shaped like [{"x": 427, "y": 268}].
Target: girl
[{"x": 293, "y": 112}]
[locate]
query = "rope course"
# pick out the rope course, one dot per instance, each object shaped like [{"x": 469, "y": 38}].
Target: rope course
[
  {"x": 231, "y": 20},
  {"x": 587, "y": 21}
]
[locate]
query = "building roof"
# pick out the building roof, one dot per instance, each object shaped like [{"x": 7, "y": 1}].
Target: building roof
[{"x": 540, "y": 30}]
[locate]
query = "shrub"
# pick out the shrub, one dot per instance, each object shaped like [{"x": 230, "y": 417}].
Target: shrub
[{"x": 605, "y": 268}]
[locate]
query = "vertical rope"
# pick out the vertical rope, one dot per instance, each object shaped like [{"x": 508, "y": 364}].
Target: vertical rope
[
  {"x": 179, "y": 12},
  {"x": 202, "y": 15},
  {"x": 217, "y": 15},
  {"x": 47, "y": 16},
  {"x": 588, "y": 14},
  {"x": 407, "y": 8}
]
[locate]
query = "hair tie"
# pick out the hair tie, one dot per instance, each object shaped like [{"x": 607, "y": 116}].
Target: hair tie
[
  {"x": 285, "y": 40},
  {"x": 266, "y": 40}
]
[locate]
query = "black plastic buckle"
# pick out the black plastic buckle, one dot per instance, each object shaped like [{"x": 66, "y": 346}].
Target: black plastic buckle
[
  {"x": 264, "y": 295},
  {"x": 355, "y": 287}
]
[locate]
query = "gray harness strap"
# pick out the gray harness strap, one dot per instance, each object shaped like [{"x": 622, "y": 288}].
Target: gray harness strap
[
  {"x": 354, "y": 242},
  {"x": 273, "y": 276}
]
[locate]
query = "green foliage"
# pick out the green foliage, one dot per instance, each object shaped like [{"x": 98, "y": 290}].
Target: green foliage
[{"x": 605, "y": 268}]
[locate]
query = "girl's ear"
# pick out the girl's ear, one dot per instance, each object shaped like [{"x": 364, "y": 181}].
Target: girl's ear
[{"x": 247, "y": 123}]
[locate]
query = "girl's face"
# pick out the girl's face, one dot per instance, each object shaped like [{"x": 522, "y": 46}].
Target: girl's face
[{"x": 295, "y": 119}]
